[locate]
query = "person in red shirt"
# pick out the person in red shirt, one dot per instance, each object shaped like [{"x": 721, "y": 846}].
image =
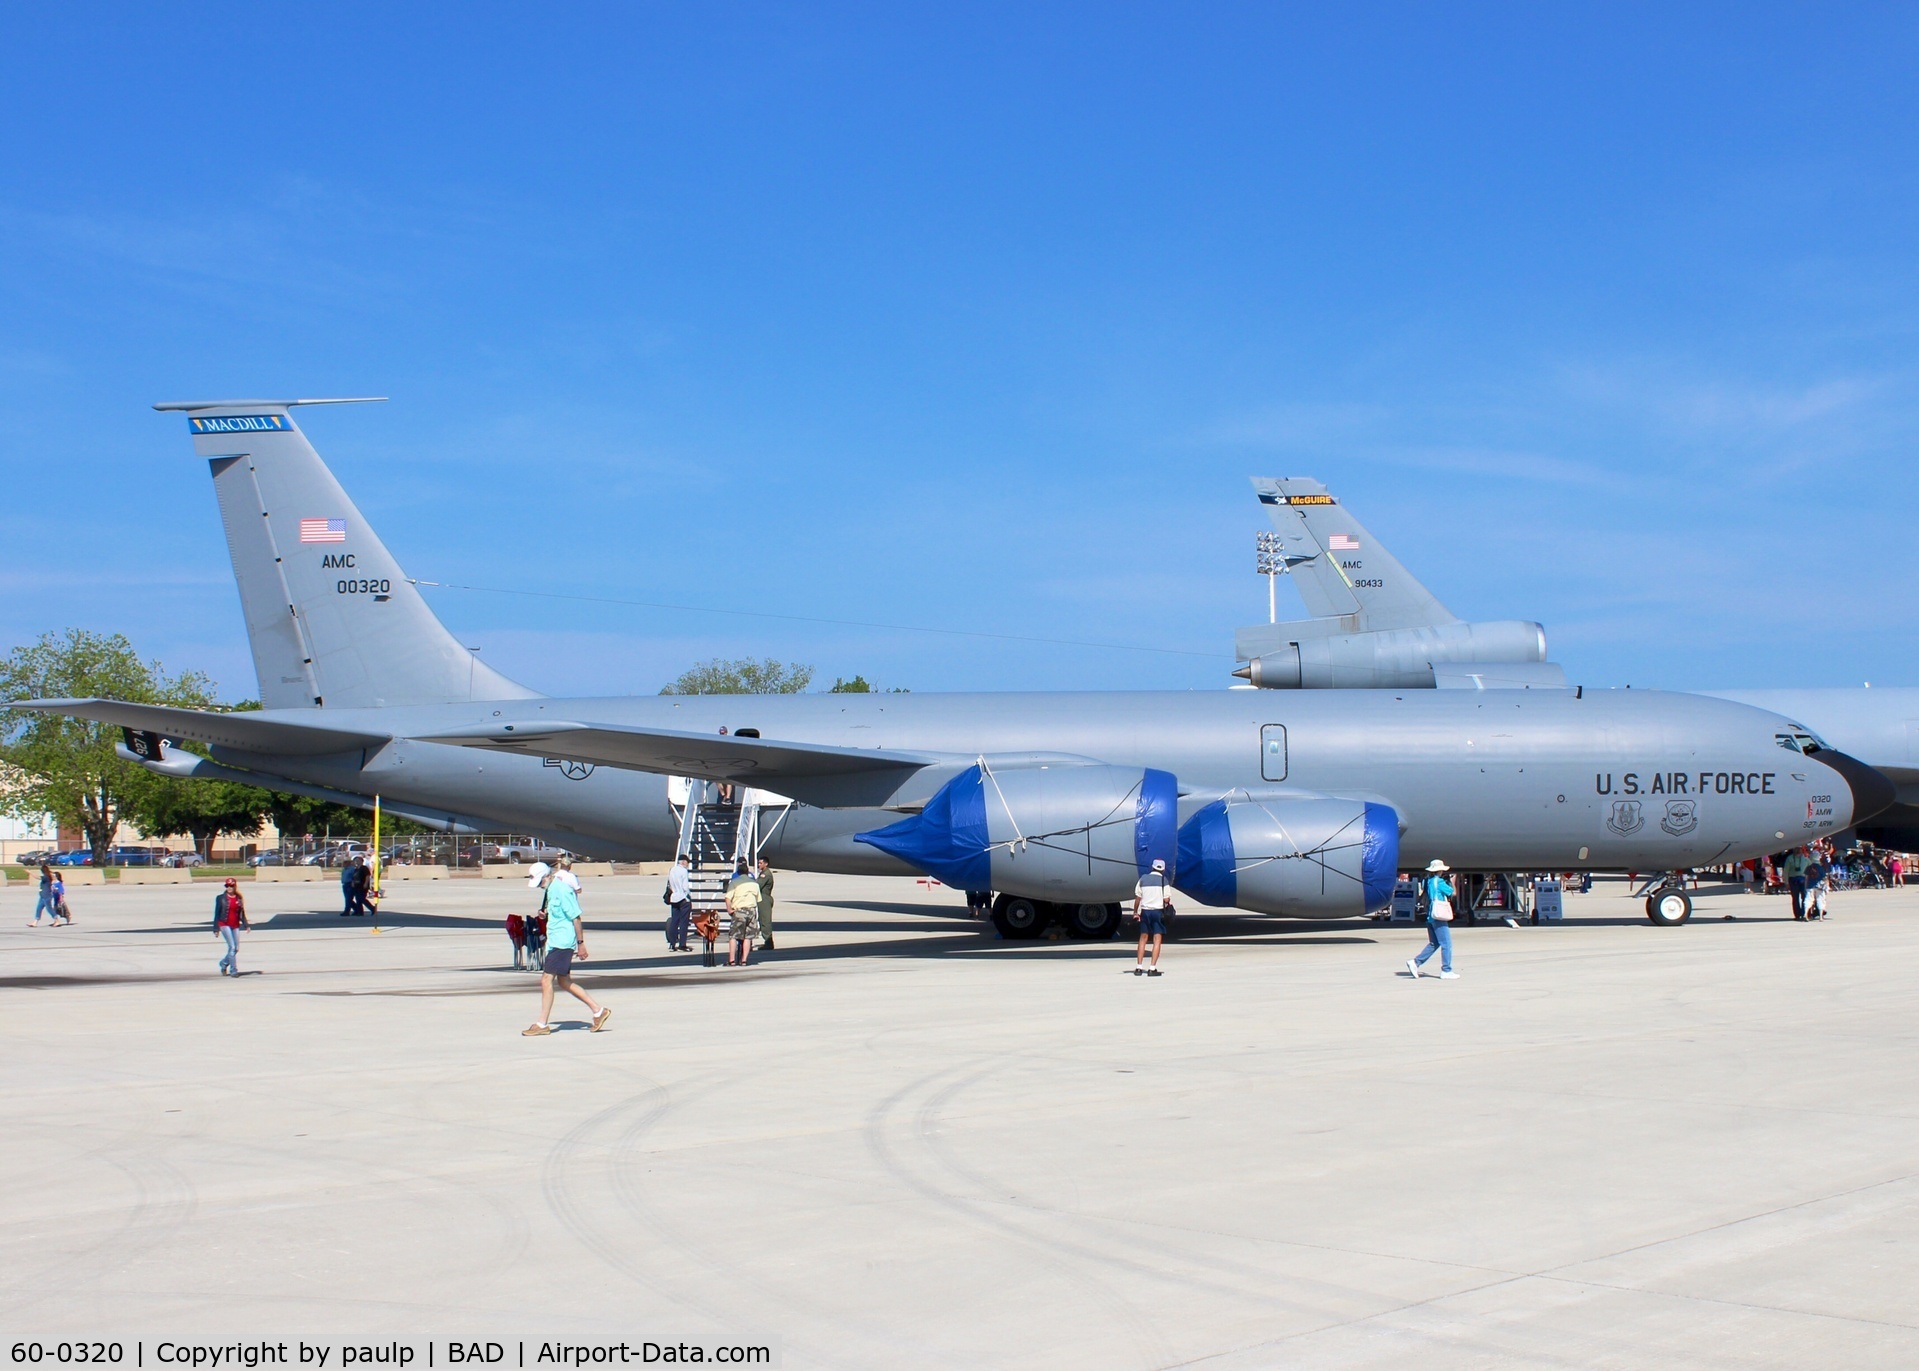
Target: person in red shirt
[
  {"x": 229, "y": 917},
  {"x": 516, "y": 931}
]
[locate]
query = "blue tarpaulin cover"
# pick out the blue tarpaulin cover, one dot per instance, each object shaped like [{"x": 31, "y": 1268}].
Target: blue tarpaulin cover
[
  {"x": 1379, "y": 862},
  {"x": 1205, "y": 868},
  {"x": 947, "y": 840},
  {"x": 1156, "y": 822}
]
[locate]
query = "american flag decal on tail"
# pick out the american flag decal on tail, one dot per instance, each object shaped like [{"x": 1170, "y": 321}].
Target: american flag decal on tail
[
  {"x": 1342, "y": 542},
  {"x": 323, "y": 530}
]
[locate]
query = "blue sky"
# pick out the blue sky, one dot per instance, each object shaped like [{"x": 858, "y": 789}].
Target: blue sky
[{"x": 978, "y": 318}]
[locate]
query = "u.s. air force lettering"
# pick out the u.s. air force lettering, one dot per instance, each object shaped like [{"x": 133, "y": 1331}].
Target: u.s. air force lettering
[{"x": 1685, "y": 783}]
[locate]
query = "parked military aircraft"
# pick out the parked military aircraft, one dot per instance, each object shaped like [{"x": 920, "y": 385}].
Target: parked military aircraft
[
  {"x": 1375, "y": 626},
  {"x": 1379, "y": 626},
  {"x": 1296, "y": 803}
]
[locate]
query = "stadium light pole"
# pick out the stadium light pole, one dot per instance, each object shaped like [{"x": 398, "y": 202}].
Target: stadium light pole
[{"x": 1269, "y": 559}]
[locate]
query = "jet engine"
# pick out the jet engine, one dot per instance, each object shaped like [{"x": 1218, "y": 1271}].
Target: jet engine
[
  {"x": 1399, "y": 658},
  {"x": 1066, "y": 834},
  {"x": 1311, "y": 858}
]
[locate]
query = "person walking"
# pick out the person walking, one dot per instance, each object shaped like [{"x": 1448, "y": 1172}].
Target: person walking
[
  {"x": 1817, "y": 883},
  {"x": 1796, "y": 863},
  {"x": 565, "y": 940},
  {"x": 743, "y": 910},
  {"x": 765, "y": 878},
  {"x": 679, "y": 902},
  {"x": 564, "y": 873},
  {"x": 47, "y": 900},
  {"x": 1439, "y": 923},
  {"x": 1152, "y": 900},
  {"x": 62, "y": 911},
  {"x": 1896, "y": 869},
  {"x": 229, "y": 917},
  {"x": 349, "y": 892}
]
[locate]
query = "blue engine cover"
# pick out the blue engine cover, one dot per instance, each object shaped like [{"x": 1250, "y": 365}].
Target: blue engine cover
[
  {"x": 947, "y": 839},
  {"x": 1052, "y": 833},
  {"x": 1307, "y": 857},
  {"x": 1156, "y": 836}
]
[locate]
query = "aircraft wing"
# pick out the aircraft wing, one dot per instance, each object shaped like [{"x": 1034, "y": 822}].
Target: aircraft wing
[
  {"x": 246, "y": 730},
  {"x": 817, "y": 773}
]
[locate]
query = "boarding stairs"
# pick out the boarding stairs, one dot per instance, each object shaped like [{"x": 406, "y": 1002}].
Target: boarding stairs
[{"x": 719, "y": 836}]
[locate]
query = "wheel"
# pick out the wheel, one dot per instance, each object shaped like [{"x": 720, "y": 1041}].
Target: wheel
[
  {"x": 1017, "y": 918},
  {"x": 1669, "y": 908},
  {"x": 1094, "y": 921}
]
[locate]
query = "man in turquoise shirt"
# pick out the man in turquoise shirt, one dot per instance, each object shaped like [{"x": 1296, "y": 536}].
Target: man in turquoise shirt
[{"x": 565, "y": 939}]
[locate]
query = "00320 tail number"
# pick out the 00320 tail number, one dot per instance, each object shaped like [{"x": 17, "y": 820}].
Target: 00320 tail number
[{"x": 364, "y": 587}]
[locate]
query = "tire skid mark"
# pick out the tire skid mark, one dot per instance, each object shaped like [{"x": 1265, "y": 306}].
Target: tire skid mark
[
  {"x": 981, "y": 1212},
  {"x": 630, "y": 1187},
  {"x": 147, "y": 1224},
  {"x": 1237, "y": 1280}
]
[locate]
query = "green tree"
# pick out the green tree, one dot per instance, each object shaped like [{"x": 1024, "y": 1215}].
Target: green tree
[
  {"x": 161, "y": 807},
  {"x": 859, "y": 685},
  {"x": 67, "y": 767},
  {"x": 741, "y": 676}
]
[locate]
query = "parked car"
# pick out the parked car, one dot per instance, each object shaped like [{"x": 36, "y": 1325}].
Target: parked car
[
  {"x": 534, "y": 852},
  {"x": 265, "y": 859},
  {"x": 185, "y": 859},
  {"x": 37, "y": 856},
  {"x": 79, "y": 856},
  {"x": 136, "y": 856},
  {"x": 478, "y": 853}
]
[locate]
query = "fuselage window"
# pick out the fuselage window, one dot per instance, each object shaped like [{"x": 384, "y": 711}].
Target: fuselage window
[{"x": 1272, "y": 752}]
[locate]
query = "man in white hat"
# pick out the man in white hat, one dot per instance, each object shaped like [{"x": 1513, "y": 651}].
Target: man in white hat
[
  {"x": 1439, "y": 923},
  {"x": 1152, "y": 900}
]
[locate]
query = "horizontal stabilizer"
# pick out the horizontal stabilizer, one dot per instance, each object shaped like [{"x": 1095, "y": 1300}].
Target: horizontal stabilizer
[
  {"x": 244, "y": 730},
  {"x": 1500, "y": 676},
  {"x": 816, "y": 773}
]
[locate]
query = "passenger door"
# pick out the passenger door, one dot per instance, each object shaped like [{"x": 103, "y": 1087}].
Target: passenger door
[{"x": 1272, "y": 752}]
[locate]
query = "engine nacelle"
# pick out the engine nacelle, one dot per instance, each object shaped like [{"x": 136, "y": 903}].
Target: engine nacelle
[
  {"x": 1059, "y": 833},
  {"x": 1399, "y": 658},
  {"x": 1309, "y": 858}
]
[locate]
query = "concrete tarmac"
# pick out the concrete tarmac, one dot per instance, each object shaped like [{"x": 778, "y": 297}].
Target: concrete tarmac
[{"x": 898, "y": 1142}]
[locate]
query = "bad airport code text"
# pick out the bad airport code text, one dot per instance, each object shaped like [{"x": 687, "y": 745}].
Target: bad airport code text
[{"x": 390, "y": 1355}]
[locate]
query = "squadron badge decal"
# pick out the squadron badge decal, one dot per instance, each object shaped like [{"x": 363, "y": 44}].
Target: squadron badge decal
[
  {"x": 1682, "y": 817},
  {"x": 1626, "y": 819}
]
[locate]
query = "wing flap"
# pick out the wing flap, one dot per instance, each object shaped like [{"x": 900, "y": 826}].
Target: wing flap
[{"x": 817, "y": 773}]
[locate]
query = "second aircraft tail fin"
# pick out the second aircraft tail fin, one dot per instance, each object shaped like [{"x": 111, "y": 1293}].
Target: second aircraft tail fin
[
  {"x": 1340, "y": 568},
  {"x": 332, "y": 619}
]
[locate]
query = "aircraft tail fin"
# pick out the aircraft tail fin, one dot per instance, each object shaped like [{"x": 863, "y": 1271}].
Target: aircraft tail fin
[
  {"x": 1339, "y": 567},
  {"x": 332, "y": 619}
]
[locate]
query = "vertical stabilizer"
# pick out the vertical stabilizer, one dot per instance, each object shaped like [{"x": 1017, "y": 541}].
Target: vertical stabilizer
[
  {"x": 1338, "y": 567},
  {"x": 331, "y": 618}
]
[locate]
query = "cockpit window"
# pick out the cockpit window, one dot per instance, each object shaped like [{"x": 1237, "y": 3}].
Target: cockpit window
[{"x": 1800, "y": 740}]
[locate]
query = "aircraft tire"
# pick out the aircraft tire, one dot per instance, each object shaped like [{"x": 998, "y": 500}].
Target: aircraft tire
[
  {"x": 1669, "y": 908},
  {"x": 1093, "y": 922},
  {"x": 1019, "y": 919}
]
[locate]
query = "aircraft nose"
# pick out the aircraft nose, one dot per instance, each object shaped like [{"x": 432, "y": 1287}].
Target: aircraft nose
[{"x": 1871, "y": 791}]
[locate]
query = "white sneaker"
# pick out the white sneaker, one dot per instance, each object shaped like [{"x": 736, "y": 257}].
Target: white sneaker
[
  {"x": 1412, "y": 968},
  {"x": 1449, "y": 975}
]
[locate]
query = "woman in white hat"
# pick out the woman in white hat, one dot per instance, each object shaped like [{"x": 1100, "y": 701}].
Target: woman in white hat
[{"x": 1439, "y": 923}]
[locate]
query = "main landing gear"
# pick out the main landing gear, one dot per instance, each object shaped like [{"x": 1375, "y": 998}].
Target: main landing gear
[
  {"x": 1018, "y": 918},
  {"x": 1669, "y": 906}
]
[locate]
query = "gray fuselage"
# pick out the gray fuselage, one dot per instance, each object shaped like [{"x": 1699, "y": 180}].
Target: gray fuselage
[{"x": 1490, "y": 780}]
